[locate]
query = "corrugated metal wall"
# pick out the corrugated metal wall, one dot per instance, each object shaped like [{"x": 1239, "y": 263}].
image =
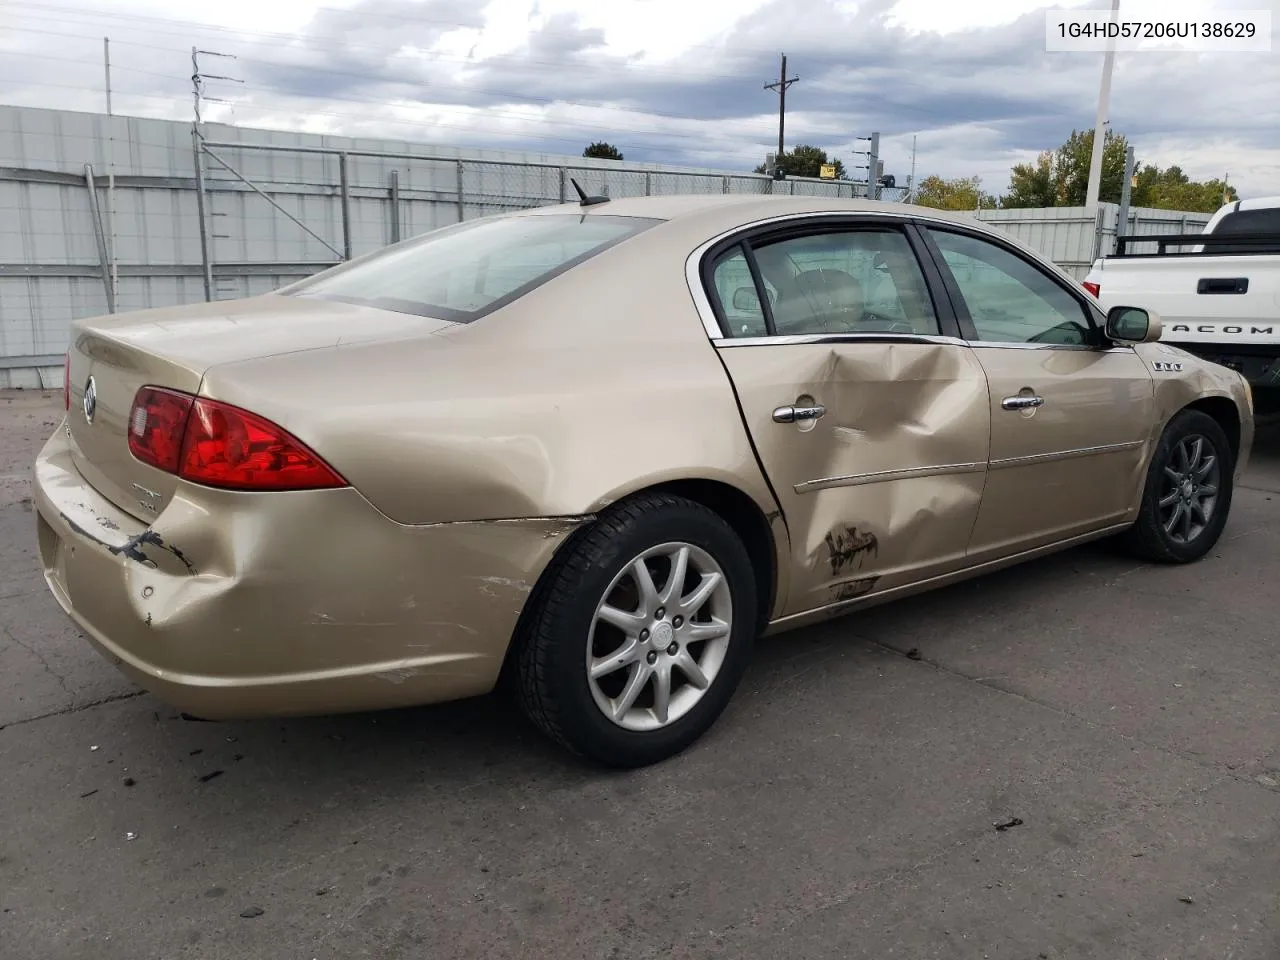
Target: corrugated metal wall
[
  {"x": 51, "y": 255},
  {"x": 1073, "y": 239}
]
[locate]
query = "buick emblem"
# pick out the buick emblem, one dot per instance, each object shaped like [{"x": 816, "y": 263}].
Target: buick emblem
[{"x": 90, "y": 402}]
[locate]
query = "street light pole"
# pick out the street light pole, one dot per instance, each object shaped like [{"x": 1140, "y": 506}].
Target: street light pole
[{"x": 1100, "y": 126}]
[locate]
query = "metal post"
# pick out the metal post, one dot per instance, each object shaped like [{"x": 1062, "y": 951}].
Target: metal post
[
  {"x": 462, "y": 213},
  {"x": 344, "y": 187},
  {"x": 1097, "y": 233},
  {"x": 100, "y": 236},
  {"x": 1100, "y": 124},
  {"x": 564, "y": 182},
  {"x": 873, "y": 169},
  {"x": 1122, "y": 219},
  {"x": 911, "y": 180},
  {"x": 648, "y": 183},
  {"x": 724, "y": 184},
  {"x": 111, "y": 177},
  {"x": 395, "y": 206},
  {"x": 206, "y": 267}
]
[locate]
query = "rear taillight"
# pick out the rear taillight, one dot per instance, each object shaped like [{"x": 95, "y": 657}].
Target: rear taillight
[
  {"x": 1093, "y": 288},
  {"x": 218, "y": 445},
  {"x": 66, "y": 381},
  {"x": 157, "y": 423}
]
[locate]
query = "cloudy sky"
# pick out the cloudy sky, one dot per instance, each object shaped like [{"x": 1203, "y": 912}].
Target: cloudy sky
[{"x": 675, "y": 81}]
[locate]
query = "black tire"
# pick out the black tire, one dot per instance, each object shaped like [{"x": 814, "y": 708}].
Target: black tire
[
  {"x": 1147, "y": 538},
  {"x": 550, "y": 674}
]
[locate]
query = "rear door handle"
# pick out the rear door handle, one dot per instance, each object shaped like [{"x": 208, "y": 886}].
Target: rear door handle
[
  {"x": 1021, "y": 403},
  {"x": 792, "y": 414}
]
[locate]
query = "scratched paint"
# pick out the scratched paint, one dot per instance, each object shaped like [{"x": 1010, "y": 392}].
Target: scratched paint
[{"x": 850, "y": 546}]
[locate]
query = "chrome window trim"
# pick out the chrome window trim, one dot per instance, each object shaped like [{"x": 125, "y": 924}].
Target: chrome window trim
[
  {"x": 702, "y": 303},
  {"x": 885, "y": 476},
  {"x": 1082, "y": 347},
  {"x": 1066, "y": 454},
  {"x": 722, "y": 341}
]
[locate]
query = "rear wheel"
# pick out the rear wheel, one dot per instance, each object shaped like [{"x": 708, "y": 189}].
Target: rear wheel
[
  {"x": 640, "y": 633},
  {"x": 1187, "y": 495}
]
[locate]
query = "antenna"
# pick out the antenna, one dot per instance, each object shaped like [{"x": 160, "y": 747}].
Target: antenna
[{"x": 585, "y": 200}]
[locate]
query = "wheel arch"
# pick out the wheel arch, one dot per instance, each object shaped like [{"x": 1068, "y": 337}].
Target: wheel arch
[
  {"x": 763, "y": 533},
  {"x": 1227, "y": 415}
]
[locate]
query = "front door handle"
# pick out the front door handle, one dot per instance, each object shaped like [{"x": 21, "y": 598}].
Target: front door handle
[
  {"x": 1021, "y": 403},
  {"x": 793, "y": 414}
]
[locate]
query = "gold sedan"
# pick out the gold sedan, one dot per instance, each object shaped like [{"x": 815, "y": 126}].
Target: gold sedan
[{"x": 597, "y": 449}]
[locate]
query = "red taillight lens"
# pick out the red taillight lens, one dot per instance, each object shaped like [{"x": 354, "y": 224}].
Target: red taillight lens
[
  {"x": 213, "y": 443},
  {"x": 232, "y": 448},
  {"x": 66, "y": 381},
  {"x": 1093, "y": 288},
  {"x": 156, "y": 426}
]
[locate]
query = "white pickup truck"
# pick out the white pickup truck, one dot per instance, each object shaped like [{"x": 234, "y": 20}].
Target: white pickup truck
[{"x": 1217, "y": 292}]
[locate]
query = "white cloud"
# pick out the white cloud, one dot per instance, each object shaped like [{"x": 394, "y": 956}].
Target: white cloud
[{"x": 668, "y": 80}]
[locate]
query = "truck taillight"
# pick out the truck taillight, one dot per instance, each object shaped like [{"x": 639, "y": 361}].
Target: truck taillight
[
  {"x": 218, "y": 445},
  {"x": 1094, "y": 288}
]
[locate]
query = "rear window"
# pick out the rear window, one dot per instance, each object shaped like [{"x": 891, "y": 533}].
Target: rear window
[{"x": 462, "y": 272}]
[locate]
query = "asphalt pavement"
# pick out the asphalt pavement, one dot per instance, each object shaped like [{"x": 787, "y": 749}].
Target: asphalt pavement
[{"x": 1079, "y": 757}]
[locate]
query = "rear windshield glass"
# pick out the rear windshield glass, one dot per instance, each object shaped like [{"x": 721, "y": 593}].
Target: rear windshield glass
[{"x": 462, "y": 272}]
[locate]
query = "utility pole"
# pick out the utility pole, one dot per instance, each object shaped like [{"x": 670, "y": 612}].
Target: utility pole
[
  {"x": 911, "y": 179},
  {"x": 114, "y": 281},
  {"x": 873, "y": 161},
  {"x": 197, "y": 145},
  {"x": 1099, "y": 127},
  {"x": 780, "y": 86}
]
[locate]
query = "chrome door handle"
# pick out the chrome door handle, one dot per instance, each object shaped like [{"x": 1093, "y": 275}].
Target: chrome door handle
[
  {"x": 1021, "y": 403},
  {"x": 798, "y": 414}
]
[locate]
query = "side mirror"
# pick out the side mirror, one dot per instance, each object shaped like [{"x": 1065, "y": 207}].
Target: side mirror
[
  {"x": 1133, "y": 325},
  {"x": 746, "y": 298}
]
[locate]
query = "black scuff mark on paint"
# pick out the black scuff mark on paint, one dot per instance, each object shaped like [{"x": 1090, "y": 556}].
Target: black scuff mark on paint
[
  {"x": 849, "y": 548},
  {"x": 133, "y": 547},
  {"x": 853, "y": 589}
]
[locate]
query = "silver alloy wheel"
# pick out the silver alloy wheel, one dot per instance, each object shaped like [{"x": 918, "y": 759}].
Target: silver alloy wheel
[
  {"x": 659, "y": 636},
  {"x": 1189, "y": 489}
]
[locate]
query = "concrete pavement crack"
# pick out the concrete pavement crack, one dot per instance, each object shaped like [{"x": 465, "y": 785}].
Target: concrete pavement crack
[
  {"x": 989, "y": 684},
  {"x": 74, "y": 709},
  {"x": 62, "y": 681}
]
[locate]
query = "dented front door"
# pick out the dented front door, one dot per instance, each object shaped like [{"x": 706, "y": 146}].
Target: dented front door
[{"x": 877, "y": 452}]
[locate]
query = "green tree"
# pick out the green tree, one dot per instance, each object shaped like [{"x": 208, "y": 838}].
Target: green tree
[
  {"x": 958, "y": 193},
  {"x": 805, "y": 160},
  {"x": 1172, "y": 189},
  {"x": 602, "y": 151},
  {"x": 1060, "y": 178},
  {"x": 1032, "y": 184}
]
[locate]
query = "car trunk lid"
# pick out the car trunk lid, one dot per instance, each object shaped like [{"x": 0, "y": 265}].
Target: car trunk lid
[{"x": 112, "y": 357}]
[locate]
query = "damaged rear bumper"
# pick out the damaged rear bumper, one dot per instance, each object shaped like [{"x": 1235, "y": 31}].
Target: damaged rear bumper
[{"x": 241, "y": 605}]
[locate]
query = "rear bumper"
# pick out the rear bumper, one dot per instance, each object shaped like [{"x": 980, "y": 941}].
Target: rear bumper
[{"x": 242, "y": 605}]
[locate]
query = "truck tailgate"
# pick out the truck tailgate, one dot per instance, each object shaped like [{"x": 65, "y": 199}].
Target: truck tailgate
[{"x": 1224, "y": 300}]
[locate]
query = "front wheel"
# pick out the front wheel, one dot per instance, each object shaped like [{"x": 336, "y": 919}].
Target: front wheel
[
  {"x": 640, "y": 634},
  {"x": 1187, "y": 495}
]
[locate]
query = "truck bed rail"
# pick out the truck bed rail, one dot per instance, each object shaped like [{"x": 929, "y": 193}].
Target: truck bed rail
[{"x": 1219, "y": 245}]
